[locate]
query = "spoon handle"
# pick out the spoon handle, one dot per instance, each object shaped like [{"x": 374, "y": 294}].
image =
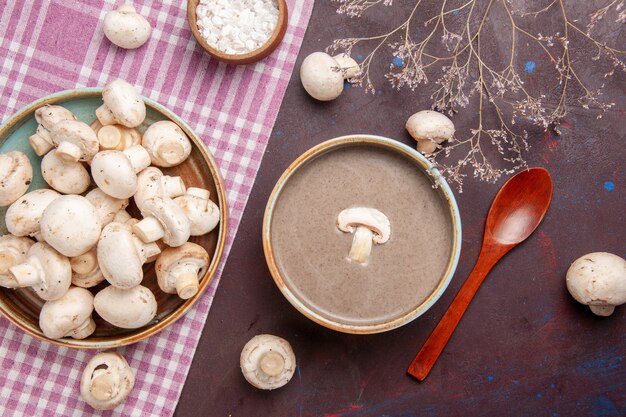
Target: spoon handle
[{"x": 426, "y": 357}]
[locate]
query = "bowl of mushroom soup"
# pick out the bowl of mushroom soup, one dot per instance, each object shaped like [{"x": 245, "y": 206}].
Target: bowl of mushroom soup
[
  {"x": 200, "y": 175},
  {"x": 362, "y": 234}
]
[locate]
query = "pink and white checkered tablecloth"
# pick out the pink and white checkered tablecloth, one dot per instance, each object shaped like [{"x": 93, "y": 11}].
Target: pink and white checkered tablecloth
[{"x": 53, "y": 45}]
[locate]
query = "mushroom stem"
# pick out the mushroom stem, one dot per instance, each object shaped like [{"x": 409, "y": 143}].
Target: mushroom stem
[
  {"x": 199, "y": 192},
  {"x": 40, "y": 144},
  {"x": 149, "y": 229},
  {"x": 147, "y": 250},
  {"x": 27, "y": 274},
  {"x": 186, "y": 278},
  {"x": 361, "y": 245},
  {"x": 110, "y": 138},
  {"x": 138, "y": 156},
  {"x": 104, "y": 115},
  {"x": 85, "y": 263},
  {"x": 104, "y": 384},
  {"x": 171, "y": 152},
  {"x": 68, "y": 152},
  {"x": 602, "y": 310},
  {"x": 272, "y": 363},
  {"x": 84, "y": 330},
  {"x": 8, "y": 258},
  {"x": 37, "y": 236},
  {"x": 173, "y": 186}
]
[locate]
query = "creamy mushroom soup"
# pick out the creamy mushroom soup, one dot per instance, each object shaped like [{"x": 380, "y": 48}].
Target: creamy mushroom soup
[{"x": 312, "y": 253}]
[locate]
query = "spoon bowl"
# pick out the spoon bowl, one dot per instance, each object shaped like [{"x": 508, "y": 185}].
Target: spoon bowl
[{"x": 515, "y": 213}]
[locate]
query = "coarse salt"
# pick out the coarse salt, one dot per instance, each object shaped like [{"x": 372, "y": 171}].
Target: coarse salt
[{"x": 237, "y": 27}]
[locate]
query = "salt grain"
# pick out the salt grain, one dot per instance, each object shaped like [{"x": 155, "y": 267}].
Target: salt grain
[{"x": 237, "y": 27}]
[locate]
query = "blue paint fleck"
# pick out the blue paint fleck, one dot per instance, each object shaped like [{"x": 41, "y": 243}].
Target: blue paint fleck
[
  {"x": 397, "y": 61},
  {"x": 456, "y": 12},
  {"x": 554, "y": 414},
  {"x": 539, "y": 395},
  {"x": 278, "y": 133},
  {"x": 530, "y": 66},
  {"x": 552, "y": 386},
  {"x": 359, "y": 57},
  {"x": 516, "y": 382},
  {"x": 379, "y": 92},
  {"x": 346, "y": 84},
  {"x": 490, "y": 378},
  {"x": 604, "y": 407},
  {"x": 609, "y": 185}
]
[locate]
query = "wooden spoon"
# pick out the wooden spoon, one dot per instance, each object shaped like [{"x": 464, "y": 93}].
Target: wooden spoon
[{"x": 515, "y": 213}]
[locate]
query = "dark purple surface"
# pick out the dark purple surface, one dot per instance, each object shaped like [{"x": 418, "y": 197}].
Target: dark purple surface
[{"x": 524, "y": 346}]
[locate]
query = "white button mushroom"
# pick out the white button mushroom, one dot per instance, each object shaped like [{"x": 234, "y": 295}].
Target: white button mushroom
[
  {"x": 121, "y": 255},
  {"x": 86, "y": 272},
  {"x": 46, "y": 270},
  {"x": 106, "y": 205},
  {"x": 22, "y": 217},
  {"x": 116, "y": 137},
  {"x": 16, "y": 174},
  {"x": 163, "y": 219},
  {"x": 179, "y": 269},
  {"x": 152, "y": 183},
  {"x": 68, "y": 316},
  {"x": 598, "y": 280},
  {"x": 71, "y": 225},
  {"x": 322, "y": 75},
  {"x": 268, "y": 361},
  {"x": 368, "y": 225},
  {"x": 166, "y": 143},
  {"x": 47, "y": 116},
  {"x": 122, "y": 105},
  {"x": 13, "y": 251},
  {"x": 203, "y": 214},
  {"x": 127, "y": 309},
  {"x": 115, "y": 172},
  {"x": 126, "y": 28},
  {"x": 106, "y": 381},
  {"x": 66, "y": 178},
  {"x": 75, "y": 141},
  {"x": 429, "y": 128}
]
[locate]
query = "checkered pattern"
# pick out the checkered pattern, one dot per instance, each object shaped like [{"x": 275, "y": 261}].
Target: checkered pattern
[{"x": 53, "y": 45}]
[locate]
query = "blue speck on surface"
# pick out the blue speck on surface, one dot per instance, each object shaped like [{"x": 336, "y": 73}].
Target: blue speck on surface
[
  {"x": 516, "y": 382},
  {"x": 539, "y": 395},
  {"x": 603, "y": 406},
  {"x": 379, "y": 92},
  {"x": 490, "y": 378},
  {"x": 609, "y": 185},
  {"x": 552, "y": 386},
  {"x": 554, "y": 414},
  {"x": 359, "y": 57},
  {"x": 397, "y": 61},
  {"x": 278, "y": 133},
  {"x": 346, "y": 84},
  {"x": 456, "y": 12},
  {"x": 530, "y": 66}
]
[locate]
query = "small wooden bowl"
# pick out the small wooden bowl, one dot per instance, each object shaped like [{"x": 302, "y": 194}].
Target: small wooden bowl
[
  {"x": 240, "y": 59},
  {"x": 22, "y": 306}
]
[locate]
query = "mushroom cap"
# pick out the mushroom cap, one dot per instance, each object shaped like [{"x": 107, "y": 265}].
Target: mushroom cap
[
  {"x": 172, "y": 218},
  {"x": 60, "y": 317},
  {"x": 171, "y": 259},
  {"x": 109, "y": 367},
  {"x": 66, "y": 178},
  {"x": 321, "y": 76},
  {"x": 123, "y": 104},
  {"x": 114, "y": 174},
  {"x": 77, "y": 133},
  {"x": 203, "y": 214},
  {"x": 13, "y": 251},
  {"x": 128, "y": 309},
  {"x": 16, "y": 174},
  {"x": 23, "y": 216},
  {"x": 56, "y": 271},
  {"x": 368, "y": 217},
  {"x": 86, "y": 272},
  {"x": 267, "y": 361},
  {"x": 429, "y": 128},
  {"x": 126, "y": 28},
  {"x": 106, "y": 205},
  {"x": 119, "y": 261},
  {"x": 152, "y": 183},
  {"x": 49, "y": 115},
  {"x": 71, "y": 225},
  {"x": 598, "y": 279},
  {"x": 166, "y": 143}
]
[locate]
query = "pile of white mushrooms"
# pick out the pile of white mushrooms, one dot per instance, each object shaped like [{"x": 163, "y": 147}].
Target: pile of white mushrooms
[{"x": 84, "y": 237}]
